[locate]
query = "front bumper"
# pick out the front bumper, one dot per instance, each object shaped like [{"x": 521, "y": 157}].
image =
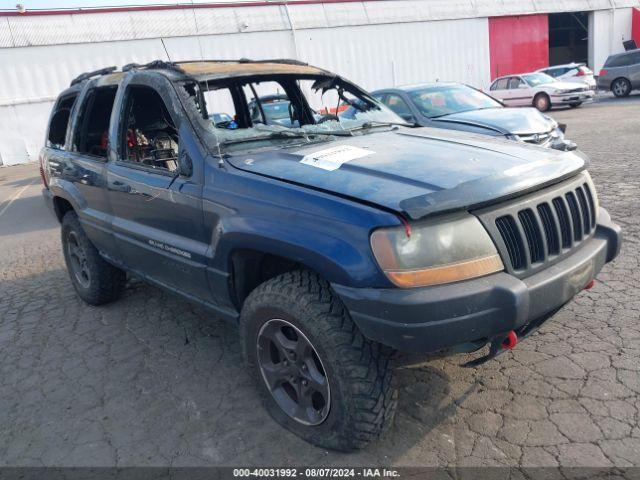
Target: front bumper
[
  {"x": 429, "y": 319},
  {"x": 568, "y": 98}
]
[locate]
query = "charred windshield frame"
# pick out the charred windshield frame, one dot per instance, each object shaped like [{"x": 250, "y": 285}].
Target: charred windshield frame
[{"x": 313, "y": 125}]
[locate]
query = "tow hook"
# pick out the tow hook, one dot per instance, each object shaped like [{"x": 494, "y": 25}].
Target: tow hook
[
  {"x": 510, "y": 341},
  {"x": 498, "y": 345}
]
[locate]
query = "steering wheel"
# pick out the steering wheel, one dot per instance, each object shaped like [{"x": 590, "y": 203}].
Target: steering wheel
[{"x": 326, "y": 117}]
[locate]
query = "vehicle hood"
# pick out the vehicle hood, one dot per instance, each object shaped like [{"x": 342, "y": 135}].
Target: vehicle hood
[
  {"x": 417, "y": 172},
  {"x": 505, "y": 120},
  {"x": 563, "y": 86}
]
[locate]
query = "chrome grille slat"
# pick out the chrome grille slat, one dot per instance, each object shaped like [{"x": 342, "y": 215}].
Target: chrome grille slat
[
  {"x": 550, "y": 227},
  {"x": 532, "y": 235},
  {"x": 592, "y": 207},
  {"x": 586, "y": 214},
  {"x": 576, "y": 220},
  {"x": 507, "y": 227},
  {"x": 564, "y": 221}
]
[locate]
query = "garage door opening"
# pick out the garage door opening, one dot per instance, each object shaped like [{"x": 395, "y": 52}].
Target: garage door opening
[{"x": 568, "y": 37}]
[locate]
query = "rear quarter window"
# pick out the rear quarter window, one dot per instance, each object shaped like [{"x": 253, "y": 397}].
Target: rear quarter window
[
  {"x": 59, "y": 123},
  {"x": 621, "y": 61}
]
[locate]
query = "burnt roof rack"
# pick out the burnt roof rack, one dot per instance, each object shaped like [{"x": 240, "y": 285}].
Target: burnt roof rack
[
  {"x": 164, "y": 65},
  {"x": 154, "y": 65},
  {"x": 285, "y": 61},
  {"x": 85, "y": 76}
]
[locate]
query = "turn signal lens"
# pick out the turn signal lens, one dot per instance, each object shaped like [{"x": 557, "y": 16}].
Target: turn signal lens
[
  {"x": 442, "y": 250},
  {"x": 446, "y": 273}
]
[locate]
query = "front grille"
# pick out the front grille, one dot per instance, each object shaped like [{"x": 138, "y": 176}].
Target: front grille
[
  {"x": 536, "y": 138},
  {"x": 543, "y": 227}
]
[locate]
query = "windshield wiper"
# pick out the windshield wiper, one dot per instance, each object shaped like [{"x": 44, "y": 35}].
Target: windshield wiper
[
  {"x": 372, "y": 124},
  {"x": 285, "y": 134}
]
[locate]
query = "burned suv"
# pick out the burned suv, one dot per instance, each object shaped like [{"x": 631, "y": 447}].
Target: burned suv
[{"x": 332, "y": 242}]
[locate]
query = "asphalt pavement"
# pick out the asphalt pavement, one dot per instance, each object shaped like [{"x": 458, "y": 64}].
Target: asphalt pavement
[{"x": 152, "y": 380}]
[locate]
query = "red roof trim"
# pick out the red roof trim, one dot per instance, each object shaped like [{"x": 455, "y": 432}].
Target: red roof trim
[{"x": 147, "y": 8}]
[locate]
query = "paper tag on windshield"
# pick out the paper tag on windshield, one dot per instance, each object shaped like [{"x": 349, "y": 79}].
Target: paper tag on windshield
[{"x": 332, "y": 158}]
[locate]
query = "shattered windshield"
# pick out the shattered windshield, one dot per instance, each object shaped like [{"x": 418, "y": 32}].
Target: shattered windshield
[{"x": 286, "y": 108}]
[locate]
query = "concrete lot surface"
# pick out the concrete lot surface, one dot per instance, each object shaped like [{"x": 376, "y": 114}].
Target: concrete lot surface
[{"x": 151, "y": 380}]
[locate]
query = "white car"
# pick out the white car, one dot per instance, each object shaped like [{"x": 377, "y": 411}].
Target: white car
[
  {"x": 539, "y": 90},
  {"x": 572, "y": 72}
]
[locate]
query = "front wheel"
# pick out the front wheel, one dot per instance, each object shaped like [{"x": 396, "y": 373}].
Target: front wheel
[
  {"x": 318, "y": 376},
  {"x": 621, "y": 87},
  {"x": 96, "y": 281},
  {"x": 542, "y": 102}
]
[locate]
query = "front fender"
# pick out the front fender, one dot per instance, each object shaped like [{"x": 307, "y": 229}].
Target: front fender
[{"x": 340, "y": 253}]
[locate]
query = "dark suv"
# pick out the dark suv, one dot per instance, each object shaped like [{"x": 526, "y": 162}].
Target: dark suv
[
  {"x": 621, "y": 73},
  {"x": 332, "y": 244}
]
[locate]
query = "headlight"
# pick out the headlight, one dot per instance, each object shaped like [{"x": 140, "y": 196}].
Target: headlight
[
  {"x": 563, "y": 91},
  {"x": 448, "y": 249}
]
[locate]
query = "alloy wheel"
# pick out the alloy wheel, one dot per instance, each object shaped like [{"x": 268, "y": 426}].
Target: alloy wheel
[
  {"x": 620, "y": 88},
  {"x": 78, "y": 260},
  {"x": 293, "y": 372}
]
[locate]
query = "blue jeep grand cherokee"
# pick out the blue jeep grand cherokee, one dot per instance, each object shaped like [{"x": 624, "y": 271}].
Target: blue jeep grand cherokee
[{"x": 332, "y": 241}]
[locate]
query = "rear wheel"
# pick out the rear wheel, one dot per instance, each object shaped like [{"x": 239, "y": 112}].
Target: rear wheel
[
  {"x": 542, "y": 102},
  {"x": 318, "y": 376},
  {"x": 621, "y": 87},
  {"x": 96, "y": 281}
]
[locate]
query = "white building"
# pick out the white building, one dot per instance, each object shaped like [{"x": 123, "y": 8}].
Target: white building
[{"x": 375, "y": 43}]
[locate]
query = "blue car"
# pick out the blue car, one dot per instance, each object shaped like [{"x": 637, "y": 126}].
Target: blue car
[{"x": 331, "y": 244}]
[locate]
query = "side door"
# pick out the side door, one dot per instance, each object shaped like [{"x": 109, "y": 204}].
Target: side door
[
  {"x": 78, "y": 164},
  {"x": 500, "y": 90},
  {"x": 88, "y": 148},
  {"x": 634, "y": 69},
  {"x": 520, "y": 93},
  {"x": 157, "y": 207}
]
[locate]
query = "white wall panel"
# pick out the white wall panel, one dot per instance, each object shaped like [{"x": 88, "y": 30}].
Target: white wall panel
[
  {"x": 22, "y": 131},
  {"x": 376, "y": 56},
  {"x": 128, "y": 25},
  {"x": 38, "y": 72},
  {"x": 607, "y": 30},
  {"x": 376, "y": 44}
]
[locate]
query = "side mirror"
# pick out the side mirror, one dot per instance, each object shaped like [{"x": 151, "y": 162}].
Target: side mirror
[
  {"x": 185, "y": 165},
  {"x": 407, "y": 117}
]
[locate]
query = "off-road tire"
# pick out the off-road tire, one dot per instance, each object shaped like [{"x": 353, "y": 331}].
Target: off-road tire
[
  {"x": 106, "y": 282},
  {"x": 621, "y": 87},
  {"x": 359, "y": 371},
  {"x": 542, "y": 102}
]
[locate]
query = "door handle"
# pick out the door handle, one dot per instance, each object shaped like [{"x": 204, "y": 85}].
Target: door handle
[{"x": 120, "y": 187}]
